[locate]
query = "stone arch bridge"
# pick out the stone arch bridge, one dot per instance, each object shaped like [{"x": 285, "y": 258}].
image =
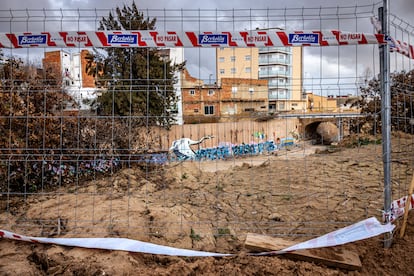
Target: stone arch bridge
[{"x": 309, "y": 122}]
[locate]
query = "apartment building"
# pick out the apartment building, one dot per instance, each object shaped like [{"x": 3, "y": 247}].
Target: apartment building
[
  {"x": 230, "y": 99},
  {"x": 280, "y": 66},
  {"x": 240, "y": 63}
]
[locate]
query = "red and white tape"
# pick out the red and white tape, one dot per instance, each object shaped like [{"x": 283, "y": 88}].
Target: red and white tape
[
  {"x": 398, "y": 207},
  {"x": 402, "y": 48},
  {"x": 153, "y": 38}
]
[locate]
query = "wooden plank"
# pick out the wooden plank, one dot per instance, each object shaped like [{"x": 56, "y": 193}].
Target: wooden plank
[
  {"x": 407, "y": 207},
  {"x": 330, "y": 256}
]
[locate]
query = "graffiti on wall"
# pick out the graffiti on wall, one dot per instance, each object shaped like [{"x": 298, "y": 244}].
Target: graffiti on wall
[
  {"x": 182, "y": 150},
  {"x": 182, "y": 147},
  {"x": 259, "y": 135}
]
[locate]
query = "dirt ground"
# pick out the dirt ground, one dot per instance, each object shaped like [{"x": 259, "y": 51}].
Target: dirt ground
[{"x": 296, "y": 194}]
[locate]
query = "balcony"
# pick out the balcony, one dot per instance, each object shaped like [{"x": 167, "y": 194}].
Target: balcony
[
  {"x": 279, "y": 95},
  {"x": 285, "y": 50},
  {"x": 273, "y": 73},
  {"x": 267, "y": 60},
  {"x": 285, "y": 83}
]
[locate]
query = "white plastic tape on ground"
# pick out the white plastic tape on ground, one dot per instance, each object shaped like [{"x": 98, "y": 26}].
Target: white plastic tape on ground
[{"x": 362, "y": 230}]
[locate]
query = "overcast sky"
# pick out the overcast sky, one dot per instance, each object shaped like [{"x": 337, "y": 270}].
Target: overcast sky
[
  {"x": 404, "y": 8},
  {"x": 327, "y": 62}
]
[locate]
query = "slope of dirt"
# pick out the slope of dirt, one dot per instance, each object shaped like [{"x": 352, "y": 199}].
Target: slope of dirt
[{"x": 211, "y": 206}]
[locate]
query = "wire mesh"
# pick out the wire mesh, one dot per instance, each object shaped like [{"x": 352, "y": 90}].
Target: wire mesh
[{"x": 69, "y": 167}]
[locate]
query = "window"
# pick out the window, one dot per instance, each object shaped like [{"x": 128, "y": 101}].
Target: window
[
  {"x": 280, "y": 68},
  {"x": 233, "y": 70},
  {"x": 273, "y": 93},
  {"x": 222, "y": 71},
  {"x": 192, "y": 92},
  {"x": 234, "y": 89},
  {"x": 248, "y": 70},
  {"x": 282, "y": 106},
  {"x": 195, "y": 110},
  {"x": 282, "y": 94},
  {"x": 221, "y": 59},
  {"x": 209, "y": 109},
  {"x": 210, "y": 92},
  {"x": 233, "y": 58},
  {"x": 294, "y": 104},
  {"x": 247, "y": 58}
]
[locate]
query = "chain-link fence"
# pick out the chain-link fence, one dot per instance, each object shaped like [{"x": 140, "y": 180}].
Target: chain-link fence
[{"x": 272, "y": 124}]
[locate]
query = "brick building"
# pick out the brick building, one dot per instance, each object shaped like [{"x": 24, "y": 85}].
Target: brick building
[{"x": 233, "y": 99}]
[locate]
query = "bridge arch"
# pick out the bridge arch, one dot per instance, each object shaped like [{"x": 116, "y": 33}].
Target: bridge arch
[{"x": 310, "y": 130}]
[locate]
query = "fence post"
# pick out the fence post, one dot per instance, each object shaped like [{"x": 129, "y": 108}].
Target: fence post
[{"x": 386, "y": 117}]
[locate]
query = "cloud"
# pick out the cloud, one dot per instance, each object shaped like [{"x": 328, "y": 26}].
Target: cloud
[
  {"x": 338, "y": 75},
  {"x": 225, "y": 15}
]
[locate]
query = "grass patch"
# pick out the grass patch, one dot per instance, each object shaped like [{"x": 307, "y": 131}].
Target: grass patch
[
  {"x": 223, "y": 231},
  {"x": 194, "y": 236}
]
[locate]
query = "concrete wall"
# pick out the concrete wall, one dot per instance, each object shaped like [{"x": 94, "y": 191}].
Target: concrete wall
[{"x": 232, "y": 132}]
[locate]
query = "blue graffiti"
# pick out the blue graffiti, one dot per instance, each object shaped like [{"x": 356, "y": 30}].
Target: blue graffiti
[
  {"x": 254, "y": 148},
  {"x": 226, "y": 151},
  {"x": 284, "y": 142},
  {"x": 220, "y": 152}
]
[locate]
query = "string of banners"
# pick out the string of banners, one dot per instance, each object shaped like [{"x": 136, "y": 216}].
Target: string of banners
[{"x": 153, "y": 38}]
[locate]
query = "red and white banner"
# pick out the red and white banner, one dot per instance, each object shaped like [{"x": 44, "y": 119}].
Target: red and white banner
[
  {"x": 171, "y": 39},
  {"x": 395, "y": 45},
  {"x": 398, "y": 207},
  {"x": 402, "y": 48}
]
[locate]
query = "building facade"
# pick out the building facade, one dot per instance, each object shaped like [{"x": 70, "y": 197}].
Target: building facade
[
  {"x": 280, "y": 66},
  {"x": 237, "y": 63},
  {"x": 230, "y": 99},
  {"x": 243, "y": 98}
]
